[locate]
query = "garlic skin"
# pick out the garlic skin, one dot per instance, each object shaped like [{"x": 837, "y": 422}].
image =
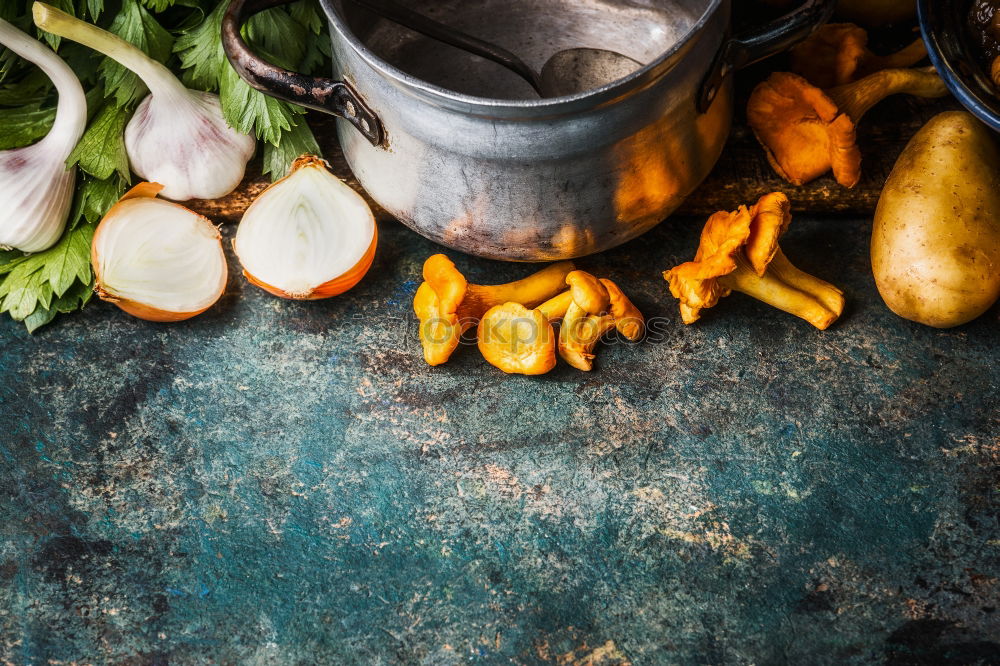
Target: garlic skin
[
  {"x": 208, "y": 163},
  {"x": 177, "y": 137},
  {"x": 157, "y": 260},
  {"x": 36, "y": 188},
  {"x": 307, "y": 236}
]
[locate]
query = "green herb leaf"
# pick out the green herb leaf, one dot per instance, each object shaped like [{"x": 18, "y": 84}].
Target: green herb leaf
[
  {"x": 278, "y": 36},
  {"x": 35, "y": 280},
  {"x": 24, "y": 125},
  {"x": 94, "y": 197},
  {"x": 136, "y": 25},
  {"x": 69, "y": 260},
  {"x": 29, "y": 123},
  {"x": 74, "y": 299},
  {"x": 158, "y": 5},
  {"x": 22, "y": 293},
  {"x": 94, "y": 9},
  {"x": 250, "y": 110},
  {"x": 200, "y": 51},
  {"x": 294, "y": 143},
  {"x": 307, "y": 13},
  {"x": 101, "y": 150},
  {"x": 9, "y": 259}
]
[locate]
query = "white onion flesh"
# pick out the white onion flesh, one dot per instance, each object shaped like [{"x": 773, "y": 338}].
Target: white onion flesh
[
  {"x": 159, "y": 255},
  {"x": 305, "y": 231}
]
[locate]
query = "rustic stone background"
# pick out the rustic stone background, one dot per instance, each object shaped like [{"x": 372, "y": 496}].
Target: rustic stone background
[{"x": 288, "y": 483}]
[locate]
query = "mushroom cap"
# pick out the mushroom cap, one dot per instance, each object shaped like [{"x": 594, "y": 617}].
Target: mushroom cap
[
  {"x": 695, "y": 283},
  {"x": 628, "y": 320},
  {"x": 588, "y": 292},
  {"x": 446, "y": 281},
  {"x": 831, "y": 56},
  {"x": 517, "y": 340},
  {"x": 440, "y": 331},
  {"x": 802, "y": 131},
  {"x": 770, "y": 218}
]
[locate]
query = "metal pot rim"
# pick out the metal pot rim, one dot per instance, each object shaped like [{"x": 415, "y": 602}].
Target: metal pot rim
[{"x": 540, "y": 107}]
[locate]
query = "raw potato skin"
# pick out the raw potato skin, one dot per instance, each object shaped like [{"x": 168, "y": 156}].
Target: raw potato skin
[{"x": 936, "y": 238}]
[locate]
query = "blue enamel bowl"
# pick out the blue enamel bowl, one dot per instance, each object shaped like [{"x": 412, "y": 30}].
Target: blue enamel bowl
[{"x": 942, "y": 23}]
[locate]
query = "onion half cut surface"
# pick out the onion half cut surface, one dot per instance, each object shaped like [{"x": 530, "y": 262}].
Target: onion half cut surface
[
  {"x": 307, "y": 236},
  {"x": 157, "y": 260}
]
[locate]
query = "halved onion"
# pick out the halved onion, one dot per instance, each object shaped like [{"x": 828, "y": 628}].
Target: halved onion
[
  {"x": 307, "y": 236},
  {"x": 156, "y": 259}
]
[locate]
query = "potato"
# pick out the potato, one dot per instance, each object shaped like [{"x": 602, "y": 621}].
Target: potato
[{"x": 936, "y": 238}]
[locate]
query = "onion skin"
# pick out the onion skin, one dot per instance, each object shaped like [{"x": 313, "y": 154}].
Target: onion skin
[
  {"x": 134, "y": 308},
  {"x": 146, "y": 312},
  {"x": 334, "y": 287}
]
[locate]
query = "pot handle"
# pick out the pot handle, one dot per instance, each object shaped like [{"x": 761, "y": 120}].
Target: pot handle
[
  {"x": 763, "y": 42},
  {"x": 314, "y": 92}
]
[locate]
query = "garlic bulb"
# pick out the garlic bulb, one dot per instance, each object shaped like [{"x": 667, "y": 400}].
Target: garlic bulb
[
  {"x": 177, "y": 137},
  {"x": 36, "y": 188},
  {"x": 156, "y": 259},
  {"x": 308, "y": 235}
]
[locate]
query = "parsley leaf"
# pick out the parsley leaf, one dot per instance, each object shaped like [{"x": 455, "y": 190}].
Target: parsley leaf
[
  {"x": 29, "y": 123},
  {"x": 24, "y": 125},
  {"x": 101, "y": 150},
  {"x": 158, "y": 5},
  {"x": 74, "y": 299},
  {"x": 201, "y": 53},
  {"x": 250, "y": 110},
  {"x": 94, "y": 197},
  {"x": 94, "y": 9},
  {"x": 297, "y": 141},
  {"x": 35, "y": 280}
]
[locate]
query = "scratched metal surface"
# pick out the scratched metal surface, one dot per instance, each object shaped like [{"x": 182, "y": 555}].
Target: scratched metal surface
[{"x": 288, "y": 483}]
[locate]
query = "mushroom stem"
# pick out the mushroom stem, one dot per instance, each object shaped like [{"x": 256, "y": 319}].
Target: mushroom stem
[
  {"x": 578, "y": 335},
  {"x": 555, "y": 308},
  {"x": 855, "y": 99},
  {"x": 908, "y": 56},
  {"x": 529, "y": 291},
  {"x": 830, "y": 296},
  {"x": 774, "y": 291}
]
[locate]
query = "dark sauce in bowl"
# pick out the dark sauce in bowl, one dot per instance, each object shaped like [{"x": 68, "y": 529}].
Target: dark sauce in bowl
[{"x": 984, "y": 29}]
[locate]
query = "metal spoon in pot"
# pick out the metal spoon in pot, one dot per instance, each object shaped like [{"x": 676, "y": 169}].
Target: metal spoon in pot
[
  {"x": 567, "y": 72},
  {"x": 571, "y": 71}
]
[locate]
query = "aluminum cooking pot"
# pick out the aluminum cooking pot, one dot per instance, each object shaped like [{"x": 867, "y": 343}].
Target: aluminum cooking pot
[{"x": 456, "y": 148}]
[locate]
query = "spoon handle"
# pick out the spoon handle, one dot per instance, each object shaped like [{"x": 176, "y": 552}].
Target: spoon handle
[{"x": 406, "y": 17}]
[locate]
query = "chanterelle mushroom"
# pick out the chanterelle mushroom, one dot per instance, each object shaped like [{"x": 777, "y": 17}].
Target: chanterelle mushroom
[
  {"x": 838, "y": 53},
  {"x": 739, "y": 251},
  {"x": 447, "y": 305},
  {"x": 518, "y": 340},
  {"x": 521, "y": 341},
  {"x": 585, "y": 321},
  {"x": 807, "y": 131},
  {"x": 628, "y": 320}
]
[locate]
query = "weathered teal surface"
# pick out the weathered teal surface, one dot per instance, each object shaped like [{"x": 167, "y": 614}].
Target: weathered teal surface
[{"x": 288, "y": 483}]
